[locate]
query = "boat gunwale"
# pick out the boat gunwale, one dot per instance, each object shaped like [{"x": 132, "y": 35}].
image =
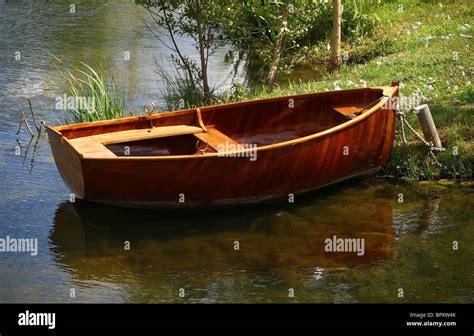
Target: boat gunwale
[{"x": 386, "y": 93}]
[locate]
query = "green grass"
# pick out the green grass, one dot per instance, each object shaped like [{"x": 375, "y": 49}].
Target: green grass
[{"x": 415, "y": 46}]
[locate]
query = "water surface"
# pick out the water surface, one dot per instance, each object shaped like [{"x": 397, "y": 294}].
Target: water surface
[{"x": 408, "y": 245}]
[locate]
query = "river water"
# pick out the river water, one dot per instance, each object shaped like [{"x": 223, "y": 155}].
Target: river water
[{"x": 416, "y": 249}]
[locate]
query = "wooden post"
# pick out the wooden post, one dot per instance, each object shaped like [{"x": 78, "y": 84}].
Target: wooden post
[{"x": 428, "y": 125}]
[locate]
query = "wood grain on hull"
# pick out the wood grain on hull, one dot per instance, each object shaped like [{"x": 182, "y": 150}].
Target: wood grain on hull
[
  {"x": 274, "y": 174},
  {"x": 306, "y": 161}
]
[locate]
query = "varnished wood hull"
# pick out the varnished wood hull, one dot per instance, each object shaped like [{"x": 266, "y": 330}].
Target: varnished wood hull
[{"x": 358, "y": 147}]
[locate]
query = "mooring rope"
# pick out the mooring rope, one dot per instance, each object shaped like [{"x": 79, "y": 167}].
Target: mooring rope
[{"x": 431, "y": 149}]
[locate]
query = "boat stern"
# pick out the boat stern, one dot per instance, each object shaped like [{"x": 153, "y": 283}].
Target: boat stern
[{"x": 68, "y": 161}]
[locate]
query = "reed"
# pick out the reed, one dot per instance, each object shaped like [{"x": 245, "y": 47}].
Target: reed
[
  {"x": 101, "y": 97},
  {"x": 176, "y": 90}
]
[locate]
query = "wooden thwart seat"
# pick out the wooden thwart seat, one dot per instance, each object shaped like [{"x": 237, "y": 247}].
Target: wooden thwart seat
[
  {"x": 94, "y": 146},
  {"x": 217, "y": 140},
  {"x": 348, "y": 110}
]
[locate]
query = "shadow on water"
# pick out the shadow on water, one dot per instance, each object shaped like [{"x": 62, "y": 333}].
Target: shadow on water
[{"x": 89, "y": 239}]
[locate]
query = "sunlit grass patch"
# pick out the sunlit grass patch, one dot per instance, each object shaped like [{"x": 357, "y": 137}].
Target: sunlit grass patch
[{"x": 429, "y": 54}]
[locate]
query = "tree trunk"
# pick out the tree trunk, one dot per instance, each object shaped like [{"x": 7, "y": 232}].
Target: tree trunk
[
  {"x": 278, "y": 47},
  {"x": 202, "y": 54},
  {"x": 335, "y": 60},
  {"x": 175, "y": 45}
]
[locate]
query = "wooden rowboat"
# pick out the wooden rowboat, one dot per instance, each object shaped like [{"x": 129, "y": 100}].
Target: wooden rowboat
[{"x": 238, "y": 153}]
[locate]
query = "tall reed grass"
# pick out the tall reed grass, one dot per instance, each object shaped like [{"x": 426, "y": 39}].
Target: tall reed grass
[{"x": 86, "y": 84}]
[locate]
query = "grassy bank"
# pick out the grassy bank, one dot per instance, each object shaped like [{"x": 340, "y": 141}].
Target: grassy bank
[{"x": 428, "y": 47}]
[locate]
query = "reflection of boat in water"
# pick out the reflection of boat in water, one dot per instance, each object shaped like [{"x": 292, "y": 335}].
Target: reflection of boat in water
[{"x": 89, "y": 239}]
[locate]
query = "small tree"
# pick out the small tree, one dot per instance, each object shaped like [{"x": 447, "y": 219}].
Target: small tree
[
  {"x": 278, "y": 44},
  {"x": 335, "y": 59},
  {"x": 194, "y": 19},
  {"x": 268, "y": 29}
]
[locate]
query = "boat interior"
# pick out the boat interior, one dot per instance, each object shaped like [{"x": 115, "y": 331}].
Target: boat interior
[{"x": 220, "y": 128}]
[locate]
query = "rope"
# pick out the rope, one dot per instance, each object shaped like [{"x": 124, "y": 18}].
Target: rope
[
  {"x": 431, "y": 149},
  {"x": 401, "y": 116}
]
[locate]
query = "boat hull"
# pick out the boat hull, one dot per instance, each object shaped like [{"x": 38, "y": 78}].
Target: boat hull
[{"x": 275, "y": 173}]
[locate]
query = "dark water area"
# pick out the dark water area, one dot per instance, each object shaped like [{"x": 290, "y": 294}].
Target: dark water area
[{"x": 423, "y": 245}]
